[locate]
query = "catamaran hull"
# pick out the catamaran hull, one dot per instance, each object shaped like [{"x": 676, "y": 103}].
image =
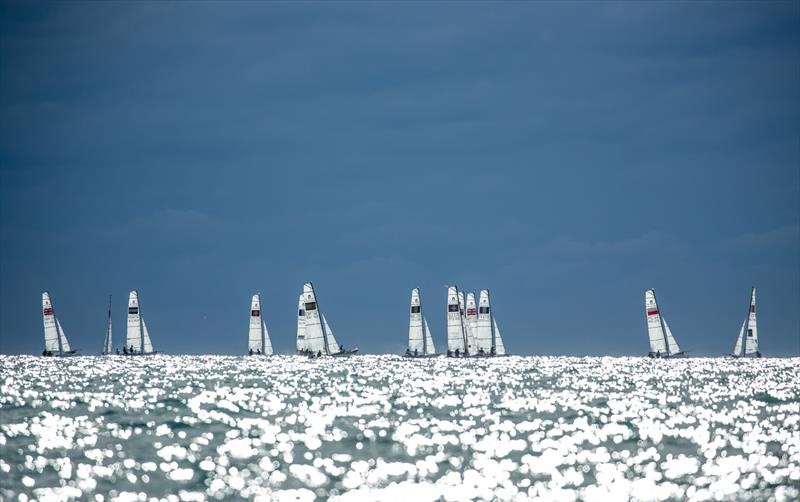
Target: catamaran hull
[
  {"x": 345, "y": 353},
  {"x": 141, "y": 354},
  {"x": 66, "y": 354},
  {"x": 667, "y": 356},
  {"x": 421, "y": 356}
]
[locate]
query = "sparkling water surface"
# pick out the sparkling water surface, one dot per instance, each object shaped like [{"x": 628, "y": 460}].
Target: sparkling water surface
[{"x": 388, "y": 428}]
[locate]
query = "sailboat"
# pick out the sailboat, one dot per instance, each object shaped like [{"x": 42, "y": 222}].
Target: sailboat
[
  {"x": 471, "y": 323},
  {"x": 420, "y": 341},
  {"x": 662, "y": 343},
  {"x": 258, "y": 342},
  {"x": 489, "y": 341},
  {"x": 138, "y": 341},
  {"x": 467, "y": 327},
  {"x": 55, "y": 341},
  {"x": 301, "y": 327},
  {"x": 457, "y": 344},
  {"x": 319, "y": 339},
  {"x": 747, "y": 342},
  {"x": 107, "y": 343}
]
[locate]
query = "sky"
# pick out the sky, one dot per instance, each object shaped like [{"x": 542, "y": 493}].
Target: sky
[{"x": 567, "y": 156}]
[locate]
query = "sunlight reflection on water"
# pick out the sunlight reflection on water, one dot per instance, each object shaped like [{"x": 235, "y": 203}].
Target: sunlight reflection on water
[{"x": 386, "y": 428}]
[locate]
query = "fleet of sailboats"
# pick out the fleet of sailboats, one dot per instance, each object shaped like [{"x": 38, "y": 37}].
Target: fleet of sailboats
[
  {"x": 55, "y": 341},
  {"x": 258, "y": 342},
  {"x": 747, "y": 342},
  {"x": 472, "y": 329},
  {"x": 138, "y": 341}
]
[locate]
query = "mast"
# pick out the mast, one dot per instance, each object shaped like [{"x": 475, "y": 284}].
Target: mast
[
  {"x": 661, "y": 321},
  {"x": 461, "y": 307},
  {"x": 491, "y": 317},
  {"x": 58, "y": 330},
  {"x": 746, "y": 331},
  {"x": 107, "y": 345},
  {"x": 141, "y": 328},
  {"x": 261, "y": 322}
]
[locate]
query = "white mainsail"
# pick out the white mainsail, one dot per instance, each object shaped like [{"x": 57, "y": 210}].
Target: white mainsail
[
  {"x": 316, "y": 341},
  {"x": 471, "y": 323},
  {"x": 662, "y": 343},
  {"x": 258, "y": 338},
  {"x": 430, "y": 349},
  {"x": 301, "y": 325},
  {"x": 469, "y": 337},
  {"x": 483, "y": 331},
  {"x": 456, "y": 337},
  {"x": 499, "y": 347},
  {"x": 747, "y": 342},
  {"x": 137, "y": 340},
  {"x": 133, "y": 341},
  {"x": 416, "y": 337},
  {"x": 51, "y": 336},
  {"x": 107, "y": 343}
]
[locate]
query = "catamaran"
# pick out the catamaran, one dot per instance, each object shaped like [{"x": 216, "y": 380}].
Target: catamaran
[
  {"x": 466, "y": 322},
  {"x": 55, "y": 341},
  {"x": 258, "y": 342},
  {"x": 662, "y": 343},
  {"x": 488, "y": 340},
  {"x": 747, "y": 343},
  {"x": 107, "y": 344},
  {"x": 420, "y": 341},
  {"x": 138, "y": 340},
  {"x": 457, "y": 342},
  {"x": 319, "y": 339}
]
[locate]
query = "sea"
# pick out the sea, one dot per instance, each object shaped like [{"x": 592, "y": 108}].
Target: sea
[{"x": 387, "y": 428}]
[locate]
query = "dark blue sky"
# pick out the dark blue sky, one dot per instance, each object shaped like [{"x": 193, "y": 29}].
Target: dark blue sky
[{"x": 565, "y": 155}]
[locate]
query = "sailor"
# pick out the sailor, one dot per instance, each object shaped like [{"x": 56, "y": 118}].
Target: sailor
[
  {"x": 458, "y": 353},
  {"x": 117, "y": 350},
  {"x": 481, "y": 351},
  {"x": 131, "y": 350},
  {"x": 250, "y": 352},
  {"x": 45, "y": 352},
  {"x": 341, "y": 348},
  {"x": 449, "y": 353},
  {"x": 416, "y": 353},
  {"x": 319, "y": 353},
  {"x": 258, "y": 351},
  {"x": 125, "y": 350}
]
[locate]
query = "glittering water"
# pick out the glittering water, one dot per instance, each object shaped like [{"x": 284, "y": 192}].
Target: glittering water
[{"x": 385, "y": 428}]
